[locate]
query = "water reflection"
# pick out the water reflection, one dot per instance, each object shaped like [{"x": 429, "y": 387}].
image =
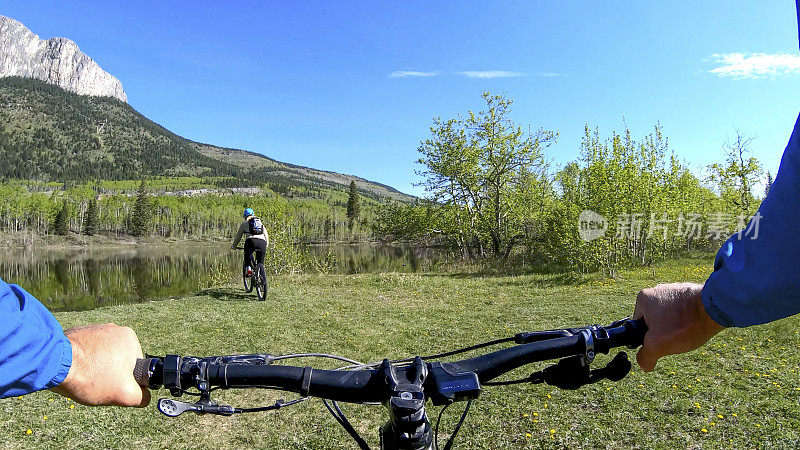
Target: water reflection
[{"x": 85, "y": 279}]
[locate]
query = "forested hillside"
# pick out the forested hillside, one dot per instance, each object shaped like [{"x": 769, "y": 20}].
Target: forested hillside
[{"x": 49, "y": 134}]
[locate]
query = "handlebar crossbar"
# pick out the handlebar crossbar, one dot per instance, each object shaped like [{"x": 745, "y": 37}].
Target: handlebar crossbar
[
  {"x": 365, "y": 385},
  {"x": 402, "y": 386}
]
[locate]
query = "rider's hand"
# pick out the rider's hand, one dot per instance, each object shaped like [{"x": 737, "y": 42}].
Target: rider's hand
[
  {"x": 676, "y": 321},
  {"x": 103, "y": 358}
]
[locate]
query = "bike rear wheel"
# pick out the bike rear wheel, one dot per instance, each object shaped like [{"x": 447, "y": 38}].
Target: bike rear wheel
[{"x": 260, "y": 282}]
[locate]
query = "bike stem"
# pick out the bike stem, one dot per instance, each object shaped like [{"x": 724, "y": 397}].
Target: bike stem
[{"x": 408, "y": 427}]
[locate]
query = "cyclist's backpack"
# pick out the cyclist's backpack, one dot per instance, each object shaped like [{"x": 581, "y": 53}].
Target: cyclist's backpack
[{"x": 256, "y": 227}]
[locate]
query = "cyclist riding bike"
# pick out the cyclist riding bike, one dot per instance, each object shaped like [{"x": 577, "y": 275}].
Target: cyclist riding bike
[{"x": 256, "y": 238}]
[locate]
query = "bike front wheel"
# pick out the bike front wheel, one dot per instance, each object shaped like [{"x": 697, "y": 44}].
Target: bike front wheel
[{"x": 260, "y": 281}]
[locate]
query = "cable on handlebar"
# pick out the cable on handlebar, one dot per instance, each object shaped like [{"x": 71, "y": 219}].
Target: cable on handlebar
[
  {"x": 436, "y": 356},
  {"x": 318, "y": 355}
]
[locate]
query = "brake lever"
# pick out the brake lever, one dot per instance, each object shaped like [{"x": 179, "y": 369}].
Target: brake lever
[
  {"x": 616, "y": 369},
  {"x": 573, "y": 372}
]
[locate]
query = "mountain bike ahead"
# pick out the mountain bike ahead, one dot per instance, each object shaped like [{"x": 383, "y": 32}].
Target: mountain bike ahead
[
  {"x": 257, "y": 278},
  {"x": 403, "y": 386}
]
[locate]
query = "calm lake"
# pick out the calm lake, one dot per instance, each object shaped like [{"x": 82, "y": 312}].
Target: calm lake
[{"x": 71, "y": 280}]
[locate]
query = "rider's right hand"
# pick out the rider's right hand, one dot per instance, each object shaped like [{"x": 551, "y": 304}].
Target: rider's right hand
[{"x": 676, "y": 319}]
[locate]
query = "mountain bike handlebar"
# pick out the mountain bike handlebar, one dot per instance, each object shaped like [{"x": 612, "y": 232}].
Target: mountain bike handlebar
[{"x": 403, "y": 386}]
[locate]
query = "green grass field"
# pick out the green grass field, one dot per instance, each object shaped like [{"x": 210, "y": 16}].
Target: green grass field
[{"x": 739, "y": 391}]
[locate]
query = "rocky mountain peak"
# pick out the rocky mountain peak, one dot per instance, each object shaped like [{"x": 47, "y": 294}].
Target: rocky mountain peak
[{"x": 57, "y": 61}]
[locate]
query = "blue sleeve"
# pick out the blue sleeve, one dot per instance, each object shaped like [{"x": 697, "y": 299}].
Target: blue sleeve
[
  {"x": 34, "y": 353},
  {"x": 756, "y": 276}
]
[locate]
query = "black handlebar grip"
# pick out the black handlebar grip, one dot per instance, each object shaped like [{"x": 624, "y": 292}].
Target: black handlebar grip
[
  {"x": 141, "y": 371},
  {"x": 636, "y": 330}
]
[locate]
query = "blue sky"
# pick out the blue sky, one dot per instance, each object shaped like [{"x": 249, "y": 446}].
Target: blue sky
[{"x": 353, "y": 86}]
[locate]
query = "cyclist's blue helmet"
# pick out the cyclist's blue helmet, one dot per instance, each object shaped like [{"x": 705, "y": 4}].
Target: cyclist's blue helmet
[{"x": 249, "y": 212}]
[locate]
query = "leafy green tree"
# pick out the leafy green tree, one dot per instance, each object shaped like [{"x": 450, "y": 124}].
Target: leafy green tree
[
  {"x": 90, "y": 219},
  {"x": 353, "y": 204},
  {"x": 735, "y": 179},
  {"x": 142, "y": 214},
  {"x": 61, "y": 221},
  {"x": 490, "y": 170}
]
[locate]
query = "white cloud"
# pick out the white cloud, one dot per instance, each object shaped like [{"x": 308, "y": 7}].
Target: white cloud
[
  {"x": 410, "y": 73},
  {"x": 756, "y": 65},
  {"x": 490, "y": 74}
]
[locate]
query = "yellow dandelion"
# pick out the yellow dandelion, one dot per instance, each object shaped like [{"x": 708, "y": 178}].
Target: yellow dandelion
[
  {"x": 527, "y": 435},
  {"x": 758, "y": 426},
  {"x": 552, "y": 431},
  {"x": 735, "y": 415},
  {"x": 535, "y": 414},
  {"x": 720, "y": 416},
  {"x": 525, "y": 415},
  {"x": 44, "y": 418},
  {"x": 713, "y": 424},
  {"x": 72, "y": 406},
  {"x": 545, "y": 405},
  {"x": 548, "y": 396},
  {"x": 49, "y": 399},
  {"x": 704, "y": 430}
]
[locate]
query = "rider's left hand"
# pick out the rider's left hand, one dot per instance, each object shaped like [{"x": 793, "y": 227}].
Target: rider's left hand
[{"x": 103, "y": 357}]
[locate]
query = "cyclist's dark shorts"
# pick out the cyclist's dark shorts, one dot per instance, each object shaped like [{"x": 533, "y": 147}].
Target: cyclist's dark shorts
[{"x": 251, "y": 245}]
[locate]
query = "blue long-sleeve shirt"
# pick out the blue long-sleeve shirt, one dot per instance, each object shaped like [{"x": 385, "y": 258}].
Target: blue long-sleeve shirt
[{"x": 34, "y": 352}]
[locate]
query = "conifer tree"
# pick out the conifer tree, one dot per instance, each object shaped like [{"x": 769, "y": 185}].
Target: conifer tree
[
  {"x": 91, "y": 218},
  {"x": 353, "y": 205},
  {"x": 142, "y": 212},
  {"x": 327, "y": 229},
  {"x": 61, "y": 222},
  {"x": 768, "y": 186}
]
